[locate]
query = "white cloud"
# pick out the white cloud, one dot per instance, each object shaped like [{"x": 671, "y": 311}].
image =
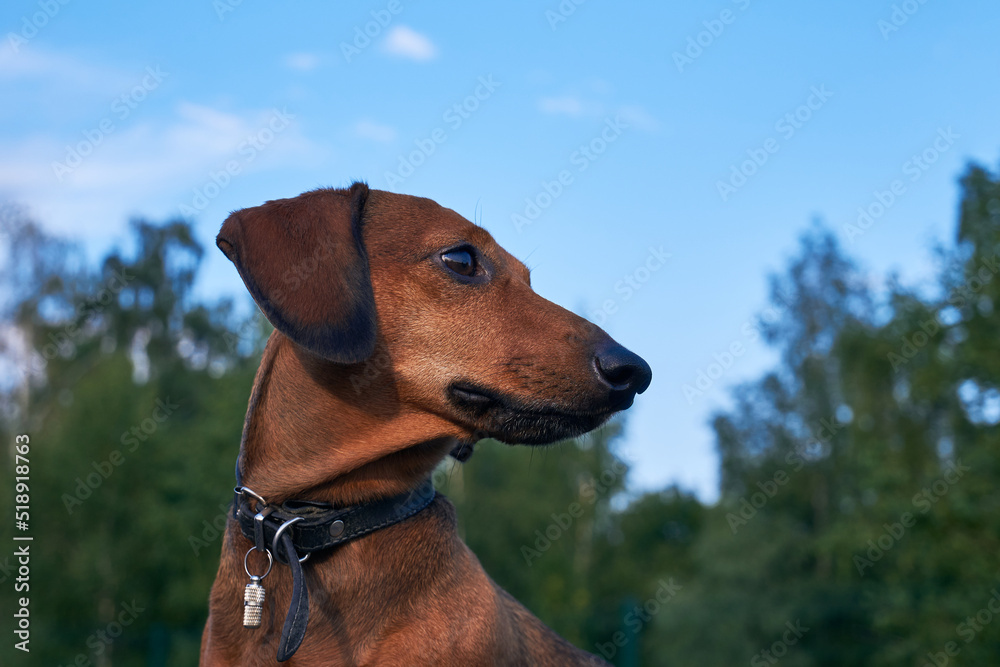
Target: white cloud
[
  {"x": 567, "y": 104},
  {"x": 369, "y": 129},
  {"x": 601, "y": 86},
  {"x": 60, "y": 73},
  {"x": 56, "y": 89},
  {"x": 636, "y": 115},
  {"x": 29, "y": 62},
  {"x": 408, "y": 43},
  {"x": 147, "y": 166},
  {"x": 571, "y": 105},
  {"x": 303, "y": 62},
  {"x": 23, "y": 166}
]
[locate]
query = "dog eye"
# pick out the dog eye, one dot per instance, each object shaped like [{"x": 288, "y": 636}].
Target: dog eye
[{"x": 461, "y": 261}]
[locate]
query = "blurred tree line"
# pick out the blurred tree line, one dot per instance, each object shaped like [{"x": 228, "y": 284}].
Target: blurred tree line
[{"x": 859, "y": 512}]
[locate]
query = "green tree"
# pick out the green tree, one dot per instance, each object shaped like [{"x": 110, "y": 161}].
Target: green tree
[
  {"x": 532, "y": 517},
  {"x": 134, "y": 405},
  {"x": 859, "y": 478}
]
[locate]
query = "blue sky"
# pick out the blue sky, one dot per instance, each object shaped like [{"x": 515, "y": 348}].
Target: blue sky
[{"x": 590, "y": 139}]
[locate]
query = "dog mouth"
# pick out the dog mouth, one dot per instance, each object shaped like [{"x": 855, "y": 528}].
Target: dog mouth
[
  {"x": 471, "y": 396},
  {"x": 514, "y": 421}
]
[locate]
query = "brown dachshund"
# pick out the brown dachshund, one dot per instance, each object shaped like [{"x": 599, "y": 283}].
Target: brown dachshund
[{"x": 402, "y": 330}]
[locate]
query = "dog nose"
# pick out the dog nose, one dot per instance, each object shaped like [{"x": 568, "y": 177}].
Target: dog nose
[{"x": 622, "y": 370}]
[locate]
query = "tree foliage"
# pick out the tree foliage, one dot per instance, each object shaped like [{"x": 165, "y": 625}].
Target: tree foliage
[
  {"x": 859, "y": 479},
  {"x": 859, "y": 513}
]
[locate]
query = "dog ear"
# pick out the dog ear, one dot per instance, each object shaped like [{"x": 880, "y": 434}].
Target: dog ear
[{"x": 305, "y": 265}]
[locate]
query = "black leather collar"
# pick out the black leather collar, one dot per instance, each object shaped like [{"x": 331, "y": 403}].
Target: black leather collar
[
  {"x": 305, "y": 527},
  {"x": 319, "y": 526}
]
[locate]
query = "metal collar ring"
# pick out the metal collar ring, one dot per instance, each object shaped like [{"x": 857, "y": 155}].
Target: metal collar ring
[
  {"x": 277, "y": 536},
  {"x": 270, "y": 562}
]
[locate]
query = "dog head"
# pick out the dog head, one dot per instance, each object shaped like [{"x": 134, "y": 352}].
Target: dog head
[{"x": 401, "y": 291}]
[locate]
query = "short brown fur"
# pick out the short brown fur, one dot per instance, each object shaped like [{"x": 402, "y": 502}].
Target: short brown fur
[{"x": 345, "y": 424}]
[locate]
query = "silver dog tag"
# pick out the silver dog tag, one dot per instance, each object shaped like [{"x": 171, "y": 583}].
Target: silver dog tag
[
  {"x": 253, "y": 603},
  {"x": 253, "y": 594}
]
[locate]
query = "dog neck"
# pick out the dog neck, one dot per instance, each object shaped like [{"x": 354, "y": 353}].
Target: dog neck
[{"x": 311, "y": 433}]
